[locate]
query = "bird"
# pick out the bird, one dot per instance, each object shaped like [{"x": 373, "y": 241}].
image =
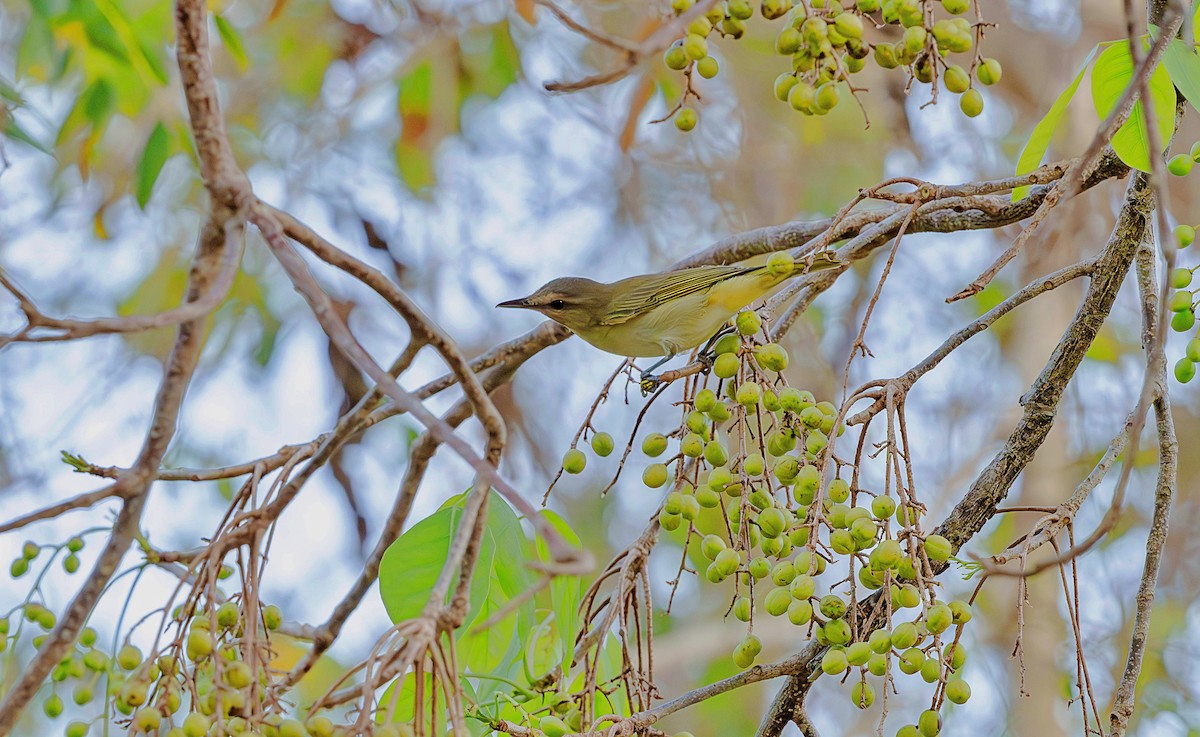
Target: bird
[{"x": 667, "y": 313}]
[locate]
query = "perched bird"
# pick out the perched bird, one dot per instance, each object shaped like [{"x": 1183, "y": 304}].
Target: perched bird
[{"x": 667, "y": 313}]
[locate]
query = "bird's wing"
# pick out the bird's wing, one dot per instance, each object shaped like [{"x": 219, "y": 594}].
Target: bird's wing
[{"x": 644, "y": 293}]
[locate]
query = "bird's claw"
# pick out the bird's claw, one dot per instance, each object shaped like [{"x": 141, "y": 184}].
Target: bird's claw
[
  {"x": 706, "y": 360},
  {"x": 649, "y": 383}
]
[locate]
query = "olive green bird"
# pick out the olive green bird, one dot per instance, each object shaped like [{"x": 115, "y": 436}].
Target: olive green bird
[{"x": 667, "y": 313}]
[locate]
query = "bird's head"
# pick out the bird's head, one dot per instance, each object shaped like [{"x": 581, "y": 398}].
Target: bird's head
[{"x": 573, "y": 301}]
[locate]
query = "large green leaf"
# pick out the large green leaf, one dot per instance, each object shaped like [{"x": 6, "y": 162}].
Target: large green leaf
[
  {"x": 411, "y": 565},
  {"x": 151, "y": 163},
  {"x": 1183, "y": 66},
  {"x": 1039, "y": 140},
  {"x": 1111, "y": 76}
]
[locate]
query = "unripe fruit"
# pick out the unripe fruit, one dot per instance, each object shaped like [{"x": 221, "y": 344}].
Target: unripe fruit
[
  {"x": 827, "y": 96},
  {"x": 989, "y": 71},
  {"x": 914, "y": 38},
  {"x": 788, "y": 41},
  {"x": 748, "y": 322},
  {"x": 907, "y": 596},
  {"x": 837, "y": 631},
  {"x": 227, "y": 615},
  {"x": 685, "y": 119},
  {"x": 930, "y": 723},
  {"x": 904, "y": 635},
  {"x": 956, "y": 654},
  {"x": 740, "y": 9},
  {"x": 707, "y": 498},
  {"x": 958, "y": 690},
  {"x": 885, "y": 56},
  {"x": 956, "y": 7},
  {"x": 654, "y": 444},
  {"x": 911, "y": 661},
  {"x": 877, "y": 665},
  {"x": 701, "y": 26},
  {"x": 726, "y": 365},
  {"x": 1185, "y": 370},
  {"x": 1180, "y": 165},
  {"x": 711, "y": 546},
  {"x": 77, "y": 729},
  {"x": 707, "y": 67},
  {"x": 833, "y": 662},
  {"x": 937, "y": 548},
  {"x": 715, "y": 453},
  {"x": 777, "y": 601},
  {"x": 147, "y": 720},
  {"x": 799, "y": 612},
  {"x": 971, "y": 103},
  {"x": 858, "y": 653},
  {"x": 838, "y": 491},
  {"x": 886, "y": 555},
  {"x": 727, "y": 561},
  {"x": 862, "y": 695},
  {"x": 53, "y": 706},
  {"x": 956, "y": 79},
  {"x": 1181, "y": 278},
  {"x": 552, "y": 726},
  {"x": 1184, "y": 235},
  {"x": 574, "y": 461},
  {"x": 1182, "y": 321},
  {"x": 759, "y": 568},
  {"x": 771, "y": 522},
  {"x": 655, "y": 475},
  {"x": 880, "y": 641},
  {"x": 602, "y": 444},
  {"x": 930, "y": 670},
  {"x": 749, "y": 394},
  {"x": 272, "y": 617},
  {"x": 129, "y": 657},
  {"x": 199, "y": 644},
  {"x": 938, "y": 619},
  {"x": 772, "y": 9},
  {"x": 867, "y": 6},
  {"x": 70, "y": 563},
  {"x": 849, "y": 25},
  {"x": 320, "y": 727},
  {"x": 695, "y": 46},
  {"x": 691, "y": 508},
  {"x": 742, "y": 608},
  {"x": 681, "y": 6},
  {"x": 1180, "y": 301},
  {"x": 772, "y": 357},
  {"x": 746, "y": 651},
  {"x": 842, "y": 542},
  {"x": 960, "y": 612},
  {"x": 676, "y": 58},
  {"x": 815, "y": 442},
  {"x": 803, "y": 585},
  {"x": 908, "y": 730}
]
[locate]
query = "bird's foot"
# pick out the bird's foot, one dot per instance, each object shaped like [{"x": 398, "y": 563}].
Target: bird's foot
[
  {"x": 649, "y": 382},
  {"x": 706, "y": 360}
]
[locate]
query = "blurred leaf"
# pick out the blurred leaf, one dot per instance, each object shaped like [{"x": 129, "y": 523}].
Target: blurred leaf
[
  {"x": 13, "y": 130},
  {"x": 1183, "y": 66},
  {"x": 1039, "y": 140},
  {"x": 1111, "y": 75},
  {"x": 414, "y": 156},
  {"x": 97, "y": 101},
  {"x": 490, "y": 61},
  {"x": 400, "y": 705},
  {"x": 153, "y": 157},
  {"x": 232, "y": 41},
  {"x": 565, "y": 591},
  {"x": 1106, "y": 348}
]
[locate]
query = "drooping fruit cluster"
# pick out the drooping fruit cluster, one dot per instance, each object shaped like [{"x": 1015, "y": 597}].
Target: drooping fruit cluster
[
  {"x": 1182, "y": 304},
  {"x": 768, "y": 509},
  {"x": 826, "y": 44}
]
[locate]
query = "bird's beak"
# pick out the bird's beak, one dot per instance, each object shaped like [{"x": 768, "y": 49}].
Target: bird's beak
[{"x": 517, "y": 303}]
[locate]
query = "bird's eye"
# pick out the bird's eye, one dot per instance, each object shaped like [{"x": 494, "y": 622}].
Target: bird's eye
[{"x": 557, "y": 304}]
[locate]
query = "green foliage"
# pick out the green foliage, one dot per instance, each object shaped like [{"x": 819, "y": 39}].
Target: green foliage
[
  {"x": 1112, "y": 74},
  {"x": 154, "y": 155}
]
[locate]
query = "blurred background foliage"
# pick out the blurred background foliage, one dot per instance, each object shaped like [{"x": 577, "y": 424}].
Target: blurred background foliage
[{"x": 419, "y": 136}]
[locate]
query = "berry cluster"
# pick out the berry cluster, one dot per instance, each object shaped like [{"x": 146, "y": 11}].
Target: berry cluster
[
  {"x": 826, "y": 44},
  {"x": 764, "y": 505}
]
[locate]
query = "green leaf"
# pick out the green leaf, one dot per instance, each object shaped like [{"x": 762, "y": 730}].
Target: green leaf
[
  {"x": 98, "y": 102},
  {"x": 1183, "y": 66},
  {"x": 233, "y": 42},
  {"x": 565, "y": 591},
  {"x": 153, "y": 158},
  {"x": 14, "y": 131},
  {"x": 1039, "y": 140},
  {"x": 412, "y": 563},
  {"x": 1111, "y": 76}
]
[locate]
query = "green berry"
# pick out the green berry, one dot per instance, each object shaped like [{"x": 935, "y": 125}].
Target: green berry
[
  {"x": 695, "y": 46},
  {"x": 707, "y": 67},
  {"x": 904, "y": 635},
  {"x": 1180, "y": 165},
  {"x": 726, "y": 365},
  {"x": 862, "y": 695},
  {"x": 938, "y": 619},
  {"x": 827, "y": 97},
  {"x": 858, "y": 653},
  {"x": 746, "y": 651},
  {"x": 837, "y": 631},
  {"x": 602, "y": 444},
  {"x": 958, "y": 690},
  {"x": 552, "y": 726},
  {"x": 655, "y": 475},
  {"x": 834, "y": 662},
  {"x": 777, "y": 601},
  {"x": 1184, "y": 235},
  {"x": 989, "y": 71},
  {"x": 574, "y": 461},
  {"x": 956, "y": 7},
  {"x": 75, "y": 544},
  {"x": 53, "y": 706},
  {"x": 654, "y": 444},
  {"x": 849, "y": 25},
  {"x": 686, "y": 119},
  {"x": 129, "y": 657},
  {"x": 956, "y": 79},
  {"x": 676, "y": 58},
  {"x": 748, "y": 322},
  {"x": 799, "y": 612},
  {"x": 971, "y": 103},
  {"x": 937, "y": 548},
  {"x": 19, "y": 567},
  {"x": 749, "y": 394},
  {"x": 1185, "y": 370},
  {"x": 788, "y": 41},
  {"x": 727, "y": 561},
  {"x": 741, "y": 609},
  {"x": 1180, "y": 301},
  {"x": 77, "y": 729},
  {"x": 960, "y": 612},
  {"x": 832, "y": 606},
  {"x": 772, "y": 522},
  {"x": 715, "y": 453},
  {"x": 759, "y": 568},
  {"x": 1181, "y": 278},
  {"x": 930, "y": 723},
  {"x": 1181, "y": 322},
  {"x": 772, "y": 357},
  {"x": 711, "y": 546}
]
